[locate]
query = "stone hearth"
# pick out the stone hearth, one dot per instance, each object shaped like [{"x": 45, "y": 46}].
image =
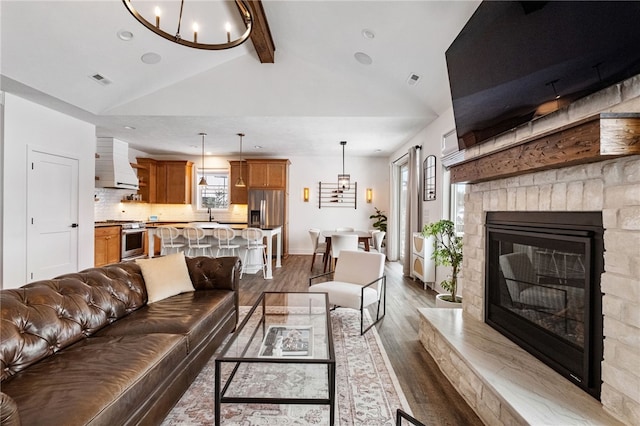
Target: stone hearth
[{"x": 501, "y": 381}]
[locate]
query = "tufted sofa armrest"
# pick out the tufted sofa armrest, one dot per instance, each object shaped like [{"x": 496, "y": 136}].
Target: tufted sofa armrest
[
  {"x": 9, "y": 415},
  {"x": 220, "y": 273},
  {"x": 216, "y": 273}
]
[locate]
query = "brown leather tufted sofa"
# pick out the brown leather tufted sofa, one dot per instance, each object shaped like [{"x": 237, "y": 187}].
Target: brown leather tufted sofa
[{"x": 85, "y": 348}]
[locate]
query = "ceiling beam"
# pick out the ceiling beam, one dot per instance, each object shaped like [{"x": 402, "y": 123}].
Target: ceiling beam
[{"x": 261, "y": 34}]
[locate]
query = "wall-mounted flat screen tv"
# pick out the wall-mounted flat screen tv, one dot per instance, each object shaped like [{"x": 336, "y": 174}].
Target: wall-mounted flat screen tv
[{"x": 518, "y": 60}]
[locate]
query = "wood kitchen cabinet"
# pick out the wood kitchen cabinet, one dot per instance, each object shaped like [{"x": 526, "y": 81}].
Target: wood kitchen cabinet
[
  {"x": 238, "y": 195},
  {"x": 147, "y": 179},
  {"x": 106, "y": 245},
  {"x": 174, "y": 179},
  {"x": 267, "y": 174},
  {"x": 166, "y": 182}
]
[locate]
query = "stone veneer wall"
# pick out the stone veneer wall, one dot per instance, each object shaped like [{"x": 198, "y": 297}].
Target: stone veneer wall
[{"x": 613, "y": 187}]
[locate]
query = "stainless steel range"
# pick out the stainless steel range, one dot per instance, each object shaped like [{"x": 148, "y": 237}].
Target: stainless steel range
[
  {"x": 133, "y": 235},
  {"x": 132, "y": 245}
]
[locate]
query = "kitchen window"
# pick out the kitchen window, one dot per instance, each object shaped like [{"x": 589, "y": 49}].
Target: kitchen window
[{"x": 214, "y": 195}]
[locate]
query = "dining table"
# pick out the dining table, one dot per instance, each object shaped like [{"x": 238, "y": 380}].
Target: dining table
[{"x": 363, "y": 237}]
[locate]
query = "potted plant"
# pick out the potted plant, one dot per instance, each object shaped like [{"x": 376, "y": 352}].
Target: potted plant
[
  {"x": 448, "y": 252},
  {"x": 380, "y": 220}
]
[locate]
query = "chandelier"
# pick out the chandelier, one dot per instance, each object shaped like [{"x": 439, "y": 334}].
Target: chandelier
[
  {"x": 344, "y": 180},
  {"x": 157, "y": 27}
]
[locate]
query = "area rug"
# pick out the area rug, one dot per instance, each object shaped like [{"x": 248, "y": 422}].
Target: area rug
[{"x": 367, "y": 389}]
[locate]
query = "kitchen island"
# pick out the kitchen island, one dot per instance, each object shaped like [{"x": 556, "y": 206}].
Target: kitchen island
[{"x": 208, "y": 227}]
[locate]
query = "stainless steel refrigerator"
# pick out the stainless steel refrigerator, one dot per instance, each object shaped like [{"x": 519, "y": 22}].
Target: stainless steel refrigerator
[{"x": 266, "y": 208}]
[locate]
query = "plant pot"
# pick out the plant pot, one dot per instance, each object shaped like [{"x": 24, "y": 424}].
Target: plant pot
[{"x": 442, "y": 303}]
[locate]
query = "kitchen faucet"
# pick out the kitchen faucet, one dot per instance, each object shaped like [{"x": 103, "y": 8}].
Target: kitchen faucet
[{"x": 210, "y": 215}]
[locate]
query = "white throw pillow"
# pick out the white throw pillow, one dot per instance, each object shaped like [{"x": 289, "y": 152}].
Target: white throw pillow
[{"x": 165, "y": 276}]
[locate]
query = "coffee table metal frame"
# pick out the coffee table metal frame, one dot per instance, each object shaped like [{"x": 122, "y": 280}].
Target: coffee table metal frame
[{"x": 244, "y": 358}]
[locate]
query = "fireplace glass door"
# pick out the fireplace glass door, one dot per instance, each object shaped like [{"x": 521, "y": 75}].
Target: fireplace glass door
[
  {"x": 543, "y": 293},
  {"x": 545, "y": 284}
]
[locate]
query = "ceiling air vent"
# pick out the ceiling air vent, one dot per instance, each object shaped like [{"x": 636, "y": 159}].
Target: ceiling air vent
[
  {"x": 101, "y": 79},
  {"x": 413, "y": 79}
]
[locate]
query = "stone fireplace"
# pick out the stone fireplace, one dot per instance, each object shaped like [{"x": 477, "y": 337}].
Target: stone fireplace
[{"x": 607, "y": 185}]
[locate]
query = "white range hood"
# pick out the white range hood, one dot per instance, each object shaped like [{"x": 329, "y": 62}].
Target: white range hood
[{"x": 113, "y": 169}]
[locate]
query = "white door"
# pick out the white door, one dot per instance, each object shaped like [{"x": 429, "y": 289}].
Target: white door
[{"x": 52, "y": 209}]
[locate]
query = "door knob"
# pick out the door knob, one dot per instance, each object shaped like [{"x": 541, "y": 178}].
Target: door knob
[{"x": 74, "y": 225}]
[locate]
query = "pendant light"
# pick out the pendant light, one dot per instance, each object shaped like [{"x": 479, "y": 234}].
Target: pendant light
[
  {"x": 240, "y": 182},
  {"x": 344, "y": 180},
  {"x": 203, "y": 179}
]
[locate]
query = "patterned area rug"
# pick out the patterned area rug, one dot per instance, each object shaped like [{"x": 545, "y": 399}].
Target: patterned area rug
[{"x": 367, "y": 390}]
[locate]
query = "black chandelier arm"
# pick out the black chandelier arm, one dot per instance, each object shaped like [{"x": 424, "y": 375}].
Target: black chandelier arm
[
  {"x": 180, "y": 20},
  {"x": 243, "y": 8}
]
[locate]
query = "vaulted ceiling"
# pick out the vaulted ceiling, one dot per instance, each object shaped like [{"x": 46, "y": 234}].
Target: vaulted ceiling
[{"x": 314, "y": 95}]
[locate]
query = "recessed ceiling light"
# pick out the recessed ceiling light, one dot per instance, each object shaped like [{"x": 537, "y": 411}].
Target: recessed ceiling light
[
  {"x": 150, "y": 58},
  {"x": 363, "y": 58},
  {"x": 125, "y": 35},
  {"x": 129, "y": 127},
  {"x": 367, "y": 33},
  {"x": 257, "y": 146}
]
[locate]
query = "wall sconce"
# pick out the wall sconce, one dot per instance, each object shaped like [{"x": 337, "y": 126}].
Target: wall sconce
[
  {"x": 369, "y": 195},
  {"x": 305, "y": 195}
]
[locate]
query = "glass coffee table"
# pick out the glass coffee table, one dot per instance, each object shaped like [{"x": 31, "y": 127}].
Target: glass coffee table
[{"x": 282, "y": 353}]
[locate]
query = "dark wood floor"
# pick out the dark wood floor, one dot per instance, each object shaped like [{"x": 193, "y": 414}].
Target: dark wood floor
[{"x": 432, "y": 398}]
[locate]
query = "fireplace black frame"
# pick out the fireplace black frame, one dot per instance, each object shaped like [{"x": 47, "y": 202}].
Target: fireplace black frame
[{"x": 581, "y": 365}]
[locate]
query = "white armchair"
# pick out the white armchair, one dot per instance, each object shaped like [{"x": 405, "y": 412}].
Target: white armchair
[{"x": 357, "y": 282}]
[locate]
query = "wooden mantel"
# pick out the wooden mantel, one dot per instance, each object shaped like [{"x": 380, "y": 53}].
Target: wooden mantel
[{"x": 597, "y": 138}]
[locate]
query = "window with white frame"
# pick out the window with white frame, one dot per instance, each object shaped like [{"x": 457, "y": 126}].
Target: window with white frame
[
  {"x": 215, "y": 194},
  {"x": 457, "y": 206}
]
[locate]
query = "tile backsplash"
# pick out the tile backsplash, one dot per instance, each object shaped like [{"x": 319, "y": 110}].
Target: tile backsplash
[{"x": 109, "y": 206}]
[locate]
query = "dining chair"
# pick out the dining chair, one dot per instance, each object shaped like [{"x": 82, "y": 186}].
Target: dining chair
[
  {"x": 372, "y": 232},
  {"x": 318, "y": 247},
  {"x": 195, "y": 237},
  {"x": 254, "y": 242},
  {"x": 224, "y": 236},
  {"x": 340, "y": 242},
  {"x": 169, "y": 240},
  {"x": 357, "y": 282},
  {"x": 378, "y": 237}
]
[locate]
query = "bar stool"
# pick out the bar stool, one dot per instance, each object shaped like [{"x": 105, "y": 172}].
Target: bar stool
[
  {"x": 194, "y": 238},
  {"x": 169, "y": 240},
  {"x": 254, "y": 242},
  {"x": 224, "y": 235}
]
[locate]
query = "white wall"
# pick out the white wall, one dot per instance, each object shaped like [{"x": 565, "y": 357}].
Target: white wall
[
  {"x": 29, "y": 124},
  {"x": 368, "y": 172}
]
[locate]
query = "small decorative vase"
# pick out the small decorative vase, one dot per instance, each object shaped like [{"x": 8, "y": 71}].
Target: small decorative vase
[{"x": 442, "y": 303}]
